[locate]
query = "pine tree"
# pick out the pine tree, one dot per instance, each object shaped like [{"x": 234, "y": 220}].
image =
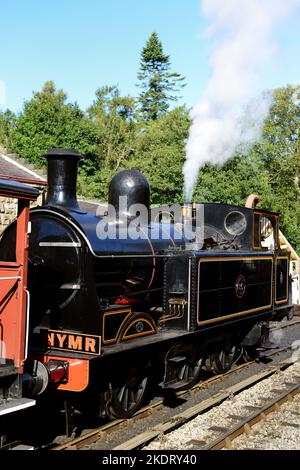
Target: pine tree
[{"x": 159, "y": 86}]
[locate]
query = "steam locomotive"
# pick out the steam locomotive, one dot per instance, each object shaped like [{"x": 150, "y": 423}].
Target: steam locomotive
[{"x": 115, "y": 299}]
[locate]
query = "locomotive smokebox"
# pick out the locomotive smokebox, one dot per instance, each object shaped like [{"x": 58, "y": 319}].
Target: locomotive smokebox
[
  {"x": 129, "y": 194},
  {"x": 62, "y": 178}
]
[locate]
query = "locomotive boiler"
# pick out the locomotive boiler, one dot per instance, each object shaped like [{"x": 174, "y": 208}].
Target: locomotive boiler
[{"x": 118, "y": 298}]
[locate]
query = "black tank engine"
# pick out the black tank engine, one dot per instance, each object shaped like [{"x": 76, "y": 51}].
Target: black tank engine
[{"x": 121, "y": 296}]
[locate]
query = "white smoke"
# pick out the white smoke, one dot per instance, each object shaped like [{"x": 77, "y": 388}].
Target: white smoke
[
  {"x": 233, "y": 107},
  {"x": 2, "y": 92}
]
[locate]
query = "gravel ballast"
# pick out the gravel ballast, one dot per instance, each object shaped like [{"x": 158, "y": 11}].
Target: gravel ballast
[{"x": 281, "y": 430}]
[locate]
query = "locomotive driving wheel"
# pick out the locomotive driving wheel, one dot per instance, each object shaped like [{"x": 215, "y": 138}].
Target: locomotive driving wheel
[
  {"x": 182, "y": 367},
  {"x": 221, "y": 361},
  {"x": 127, "y": 397},
  {"x": 249, "y": 353},
  {"x": 190, "y": 371}
]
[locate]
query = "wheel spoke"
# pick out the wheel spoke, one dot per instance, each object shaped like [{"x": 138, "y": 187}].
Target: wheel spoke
[
  {"x": 132, "y": 398},
  {"x": 121, "y": 393},
  {"x": 187, "y": 372},
  {"x": 190, "y": 372},
  {"x": 222, "y": 361},
  {"x": 125, "y": 402},
  {"x": 127, "y": 398}
]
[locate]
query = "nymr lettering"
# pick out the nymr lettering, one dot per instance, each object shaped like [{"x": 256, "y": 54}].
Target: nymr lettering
[{"x": 73, "y": 342}]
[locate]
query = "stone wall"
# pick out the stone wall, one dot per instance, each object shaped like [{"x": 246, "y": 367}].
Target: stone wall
[{"x": 8, "y": 210}]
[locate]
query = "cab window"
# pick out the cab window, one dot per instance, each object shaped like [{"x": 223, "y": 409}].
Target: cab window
[{"x": 265, "y": 231}]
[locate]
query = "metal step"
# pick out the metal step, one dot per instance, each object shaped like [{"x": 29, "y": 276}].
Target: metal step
[
  {"x": 177, "y": 359},
  {"x": 12, "y": 405},
  {"x": 174, "y": 386},
  {"x": 177, "y": 385},
  {"x": 7, "y": 370},
  {"x": 22, "y": 447}
]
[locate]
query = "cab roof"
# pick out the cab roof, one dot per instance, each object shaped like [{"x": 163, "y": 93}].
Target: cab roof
[{"x": 15, "y": 189}]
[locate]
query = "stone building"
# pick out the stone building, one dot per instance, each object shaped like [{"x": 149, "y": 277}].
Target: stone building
[{"x": 13, "y": 167}]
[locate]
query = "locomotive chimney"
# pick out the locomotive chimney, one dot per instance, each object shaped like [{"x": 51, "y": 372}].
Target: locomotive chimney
[{"x": 62, "y": 178}]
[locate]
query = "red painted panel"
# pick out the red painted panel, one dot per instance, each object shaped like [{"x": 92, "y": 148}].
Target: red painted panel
[{"x": 13, "y": 296}]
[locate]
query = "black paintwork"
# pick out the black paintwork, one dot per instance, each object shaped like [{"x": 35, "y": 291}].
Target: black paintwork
[
  {"x": 113, "y": 322},
  {"x": 207, "y": 282},
  {"x": 138, "y": 327},
  {"x": 62, "y": 166},
  {"x": 215, "y": 216},
  {"x": 216, "y": 234},
  {"x": 282, "y": 279},
  {"x": 71, "y": 286},
  {"x": 133, "y": 188},
  {"x": 218, "y": 294}
]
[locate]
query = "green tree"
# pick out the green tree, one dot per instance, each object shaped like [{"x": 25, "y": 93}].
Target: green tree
[
  {"x": 160, "y": 151},
  {"x": 114, "y": 117},
  {"x": 280, "y": 149},
  {"x": 159, "y": 86},
  {"x": 280, "y": 153},
  {"x": 232, "y": 183},
  {"x": 7, "y": 128},
  {"x": 49, "y": 121}
]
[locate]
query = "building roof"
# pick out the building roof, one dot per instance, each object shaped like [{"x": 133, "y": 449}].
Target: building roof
[
  {"x": 15, "y": 168},
  {"x": 285, "y": 245}
]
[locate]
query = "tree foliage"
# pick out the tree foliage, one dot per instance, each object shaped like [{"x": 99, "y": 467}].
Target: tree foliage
[
  {"x": 280, "y": 153},
  {"x": 7, "y": 129},
  {"x": 232, "y": 183},
  {"x": 159, "y": 86},
  {"x": 48, "y": 121},
  {"x": 113, "y": 117},
  {"x": 160, "y": 155}
]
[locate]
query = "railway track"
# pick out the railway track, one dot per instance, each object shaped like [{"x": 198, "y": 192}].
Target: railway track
[
  {"x": 226, "y": 440},
  {"x": 291, "y": 323},
  {"x": 179, "y": 420},
  {"x": 96, "y": 435}
]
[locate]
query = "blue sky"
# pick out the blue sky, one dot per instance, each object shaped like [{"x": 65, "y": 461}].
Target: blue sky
[{"x": 85, "y": 44}]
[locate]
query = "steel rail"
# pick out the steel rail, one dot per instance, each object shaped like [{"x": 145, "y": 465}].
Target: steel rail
[
  {"x": 177, "y": 421},
  {"x": 244, "y": 426},
  {"x": 285, "y": 325},
  {"x": 97, "y": 434}
]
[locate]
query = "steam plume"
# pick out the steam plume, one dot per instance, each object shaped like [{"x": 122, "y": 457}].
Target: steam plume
[{"x": 233, "y": 109}]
